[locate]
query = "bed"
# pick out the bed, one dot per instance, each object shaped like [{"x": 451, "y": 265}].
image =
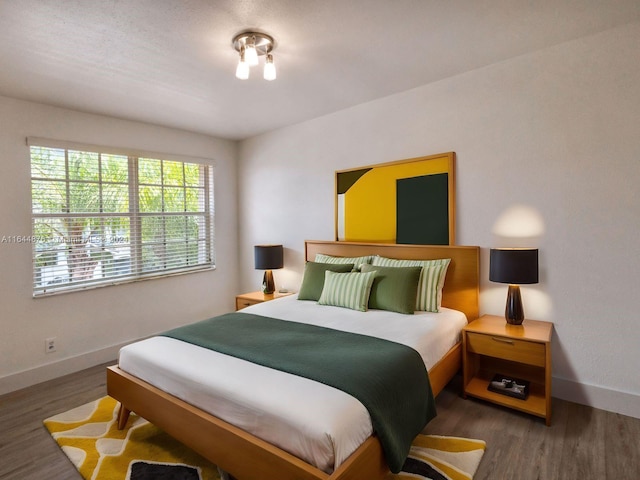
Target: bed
[{"x": 230, "y": 446}]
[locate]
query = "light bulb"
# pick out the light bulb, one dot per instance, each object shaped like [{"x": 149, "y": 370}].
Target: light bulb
[
  {"x": 269, "y": 69},
  {"x": 250, "y": 54},
  {"x": 242, "y": 70}
]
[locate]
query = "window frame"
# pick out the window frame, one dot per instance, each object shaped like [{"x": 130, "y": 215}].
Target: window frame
[{"x": 204, "y": 214}]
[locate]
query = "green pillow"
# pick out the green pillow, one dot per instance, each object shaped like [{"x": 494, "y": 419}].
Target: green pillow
[
  {"x": 357, "y": 261},
  {"x": 349, "y": 290},
  {"x": 313, "y": 278},
  {"x": 431, "y": 279},
  {"x": 394, "y": 288}
]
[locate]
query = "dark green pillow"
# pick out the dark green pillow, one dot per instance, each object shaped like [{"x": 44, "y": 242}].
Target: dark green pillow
[
  {"x": 394, "y": 288},
  {"x": 313, "y": 278}
]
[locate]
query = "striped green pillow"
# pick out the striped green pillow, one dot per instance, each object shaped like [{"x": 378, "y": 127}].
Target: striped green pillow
[
  {"x": 349, "y": 290},
  {"x": 431, "y": 279},
  {"x": 357, "y": 261}
]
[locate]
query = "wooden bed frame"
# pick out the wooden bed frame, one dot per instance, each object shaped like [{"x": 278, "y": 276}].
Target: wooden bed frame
[{"x": 248, "y": 457}]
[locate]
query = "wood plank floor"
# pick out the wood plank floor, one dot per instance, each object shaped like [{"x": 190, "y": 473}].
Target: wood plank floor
[{"x": 582, "y": 443}]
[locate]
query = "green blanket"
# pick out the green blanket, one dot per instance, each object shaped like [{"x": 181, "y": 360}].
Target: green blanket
[{"x": 388, "y": 378}]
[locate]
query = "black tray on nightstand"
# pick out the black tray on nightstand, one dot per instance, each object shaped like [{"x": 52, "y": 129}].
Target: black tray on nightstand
[{"x": 512, "y": 387}]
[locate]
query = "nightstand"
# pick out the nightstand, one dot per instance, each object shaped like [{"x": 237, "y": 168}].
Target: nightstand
[
  {"x": 491, "y": 346},
  {"x": 247, "y": 299}
]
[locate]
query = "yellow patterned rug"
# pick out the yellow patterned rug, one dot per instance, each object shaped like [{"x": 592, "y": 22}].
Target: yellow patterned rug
[
  {"x": 434, "y": 457},
  {"x": 89, "y": 436}
]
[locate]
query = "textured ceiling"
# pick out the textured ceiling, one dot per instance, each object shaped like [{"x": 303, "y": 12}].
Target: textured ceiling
[{"x": 170, "y": 62}]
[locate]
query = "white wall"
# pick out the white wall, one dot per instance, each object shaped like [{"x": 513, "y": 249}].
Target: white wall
[
  {"x": 557, "y": 131},
  {"x": 91, "y": 325}
]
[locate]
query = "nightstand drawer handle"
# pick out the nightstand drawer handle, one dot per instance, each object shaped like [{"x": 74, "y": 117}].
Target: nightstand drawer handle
[{"x": 502, "y": 340}]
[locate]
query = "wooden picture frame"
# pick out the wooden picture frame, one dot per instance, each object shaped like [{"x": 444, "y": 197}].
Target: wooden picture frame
[{"x": 408, "y": 201}]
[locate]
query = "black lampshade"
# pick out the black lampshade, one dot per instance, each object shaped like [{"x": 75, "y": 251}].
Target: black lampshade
[
  {"x": 268, "y": 257},
  {"x": 513, "y": 265}
]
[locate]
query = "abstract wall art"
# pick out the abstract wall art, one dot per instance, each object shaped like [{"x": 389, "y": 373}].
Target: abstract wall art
[{"x": 407, "y": 201}]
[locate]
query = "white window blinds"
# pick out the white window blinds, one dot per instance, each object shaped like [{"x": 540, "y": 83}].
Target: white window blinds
[{"x": 101, "y": 218}]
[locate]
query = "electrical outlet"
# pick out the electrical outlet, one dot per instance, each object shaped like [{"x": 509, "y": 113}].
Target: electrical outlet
[{"x": 50, "y": 345}]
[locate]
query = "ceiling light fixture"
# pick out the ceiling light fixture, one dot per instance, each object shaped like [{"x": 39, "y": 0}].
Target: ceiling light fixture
[{"x": 251, "y": 45}]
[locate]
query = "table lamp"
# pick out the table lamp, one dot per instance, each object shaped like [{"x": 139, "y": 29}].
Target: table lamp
[
  {"x": 514, "y": 266},
  {"x": 267, "y": 258}
]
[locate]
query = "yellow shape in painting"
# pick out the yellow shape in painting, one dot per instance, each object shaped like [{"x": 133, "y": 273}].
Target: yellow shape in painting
[{"x": 370, "y": 203}]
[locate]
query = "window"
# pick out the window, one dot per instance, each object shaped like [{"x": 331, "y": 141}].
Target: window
[{"x": 101, "y": 218}]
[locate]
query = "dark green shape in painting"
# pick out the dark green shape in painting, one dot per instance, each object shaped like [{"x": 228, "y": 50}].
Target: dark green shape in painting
[
  {"x": 347, "y": 179},
  {"x": 422, "y": 215}
]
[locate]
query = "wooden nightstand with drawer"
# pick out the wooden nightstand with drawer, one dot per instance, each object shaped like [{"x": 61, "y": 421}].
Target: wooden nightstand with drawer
[
  {"x": 491, "y": 346},
  {"x": 248, "y": 299}
]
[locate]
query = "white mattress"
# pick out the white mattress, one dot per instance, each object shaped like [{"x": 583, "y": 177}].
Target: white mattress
[{"x": 315, "y": 422}]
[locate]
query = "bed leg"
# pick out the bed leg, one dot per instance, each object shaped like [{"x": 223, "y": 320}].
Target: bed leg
[
  {"x": 224, "y": 475},
  {"x": 123, "y": 416}
]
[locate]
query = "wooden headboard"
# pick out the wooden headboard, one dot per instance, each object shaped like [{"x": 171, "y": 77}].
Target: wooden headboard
[{"x": 461, "y": 286}]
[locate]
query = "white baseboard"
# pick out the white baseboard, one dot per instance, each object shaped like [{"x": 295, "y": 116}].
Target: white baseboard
[
  {"x": 33, "y": 376},
  {"x": 615, "y": 401}
]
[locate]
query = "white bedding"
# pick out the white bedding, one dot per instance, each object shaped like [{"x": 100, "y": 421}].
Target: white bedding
[{"x": 315, "y": 422}]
